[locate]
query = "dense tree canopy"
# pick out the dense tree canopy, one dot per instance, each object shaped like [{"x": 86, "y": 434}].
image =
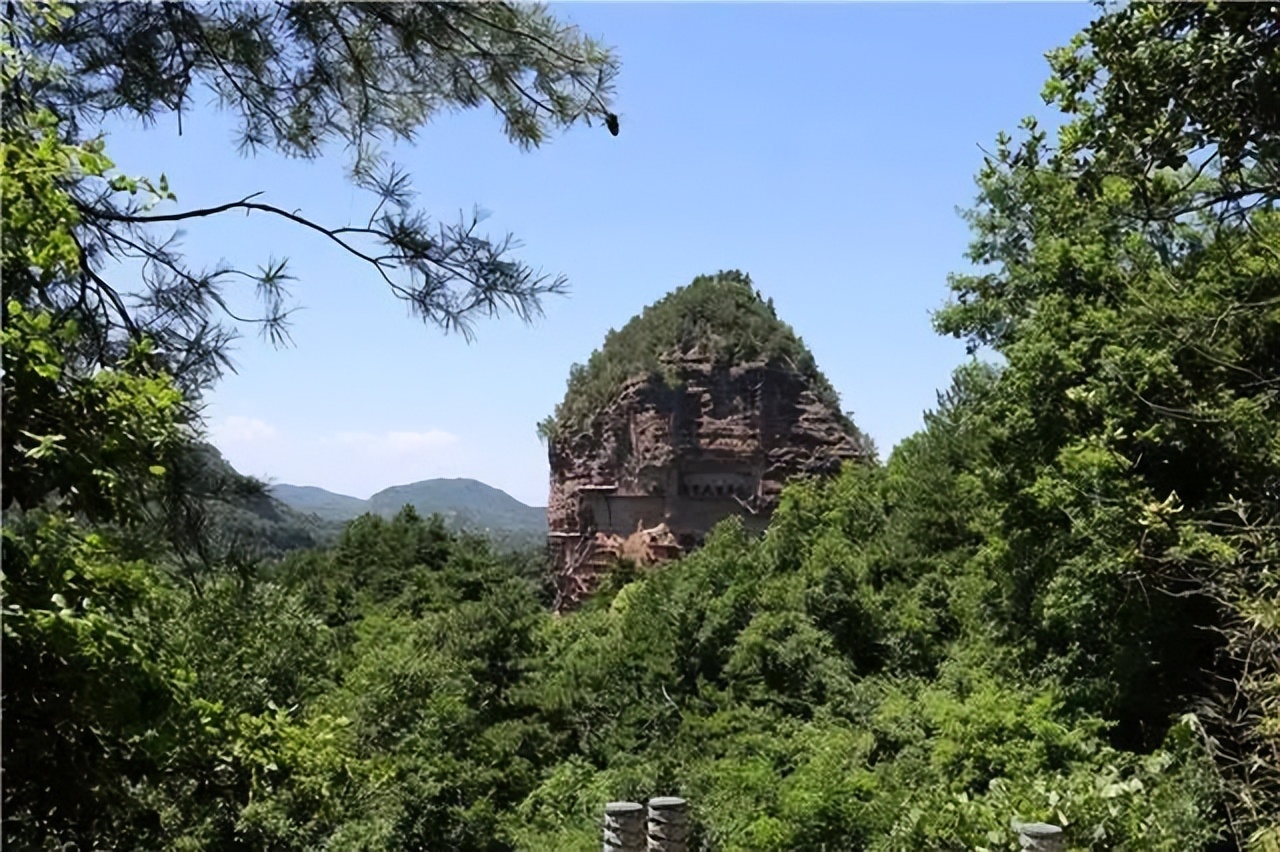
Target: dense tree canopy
[
  {"x": 119, "y": 731},
  {"x": 1134, "y": 289}
]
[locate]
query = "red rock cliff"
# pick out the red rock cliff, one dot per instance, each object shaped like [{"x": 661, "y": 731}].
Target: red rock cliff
[
  {"x": 722, "y": 442},
  {"x": 701, "y": 407}
]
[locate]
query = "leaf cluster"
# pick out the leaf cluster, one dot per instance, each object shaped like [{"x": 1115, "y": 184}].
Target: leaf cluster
[{"x": 300, "y": 78}]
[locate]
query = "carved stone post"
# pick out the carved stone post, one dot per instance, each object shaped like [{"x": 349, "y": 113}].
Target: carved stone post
[
  {"x": 624, "y": 827},
  {"x": 668, "y": 824},
  {"x": 1041, "y": 837}
]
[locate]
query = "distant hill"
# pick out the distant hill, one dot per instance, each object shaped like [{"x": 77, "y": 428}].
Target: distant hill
[
  {"x": 239, "y": 516},
  {"x": 465, "y": 504},
  {"x": 317, "y": 501}
]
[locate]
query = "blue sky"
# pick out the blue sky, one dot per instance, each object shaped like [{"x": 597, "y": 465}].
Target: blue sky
[{"x": 823, "y": 148}]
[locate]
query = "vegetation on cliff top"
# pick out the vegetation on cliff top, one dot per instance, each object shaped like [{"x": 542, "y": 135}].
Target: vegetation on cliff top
[{"x": 721, "y": 316}]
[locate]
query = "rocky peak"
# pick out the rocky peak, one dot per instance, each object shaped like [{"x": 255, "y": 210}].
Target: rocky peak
[{"x": 700, "y": 408}]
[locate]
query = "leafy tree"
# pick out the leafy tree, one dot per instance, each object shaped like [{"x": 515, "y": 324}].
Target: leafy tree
[
  {"x": 298, "y": 77},
  {"x": 81, "y": 699},
  {"x": 1131, "y": 282},
  {"x": 169, "y": 742},
  {"x": 129, "y": 421},
  {"x": 434, "y": 646},
  {"x": 1160, "y": 87},
  {"x": 105, "y": 742},
  {"x": 729, "y": 678}
]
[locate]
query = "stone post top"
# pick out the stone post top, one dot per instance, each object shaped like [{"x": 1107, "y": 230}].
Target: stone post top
[
  {"x": 667, "y": 802},
  {"x": 1039, "y": 829},
  {"x": 623, "y": 807}
]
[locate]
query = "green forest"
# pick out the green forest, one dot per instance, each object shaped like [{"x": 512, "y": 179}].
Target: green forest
[{"x": 1058, "y": 601}]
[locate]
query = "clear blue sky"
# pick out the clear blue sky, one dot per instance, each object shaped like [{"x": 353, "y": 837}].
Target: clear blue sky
[{"x": 822, "y": 148}]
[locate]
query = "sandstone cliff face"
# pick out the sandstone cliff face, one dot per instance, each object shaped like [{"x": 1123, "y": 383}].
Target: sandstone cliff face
[{"x": 666, "y": 463}]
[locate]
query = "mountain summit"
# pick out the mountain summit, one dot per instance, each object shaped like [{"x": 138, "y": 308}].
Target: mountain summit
[{"x": 700, "y": 408}]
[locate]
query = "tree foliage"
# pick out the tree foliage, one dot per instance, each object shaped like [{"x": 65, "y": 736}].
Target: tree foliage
[
  {"x": 719, "y": 317},
  {"x": 138, "y": 712},
  {"x": 1133, "y": 285},
  {"x": 299, "y": 78}
]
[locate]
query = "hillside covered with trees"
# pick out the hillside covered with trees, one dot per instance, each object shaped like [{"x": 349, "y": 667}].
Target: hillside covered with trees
[
  {"x": 692, "y": 318},
  {"x": 1057, "y": 601},
  {"x": 465, "y": 505}
]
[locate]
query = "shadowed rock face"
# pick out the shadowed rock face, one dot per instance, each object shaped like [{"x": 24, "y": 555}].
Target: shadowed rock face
[{"x": 674, "y": 458}]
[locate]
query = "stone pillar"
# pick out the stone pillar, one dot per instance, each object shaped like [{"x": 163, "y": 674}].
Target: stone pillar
[
  {"x": 624, "y": 827},
  {"x": 668, "y": 824},
  {"x": 1041, "y": 837}
]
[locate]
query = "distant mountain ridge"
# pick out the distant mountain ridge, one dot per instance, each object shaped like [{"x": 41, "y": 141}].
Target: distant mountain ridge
[
  {"x": 465, "y": 504},
  {"x": 240, "y": 519},
  {"x": 318, "y": 501}
]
